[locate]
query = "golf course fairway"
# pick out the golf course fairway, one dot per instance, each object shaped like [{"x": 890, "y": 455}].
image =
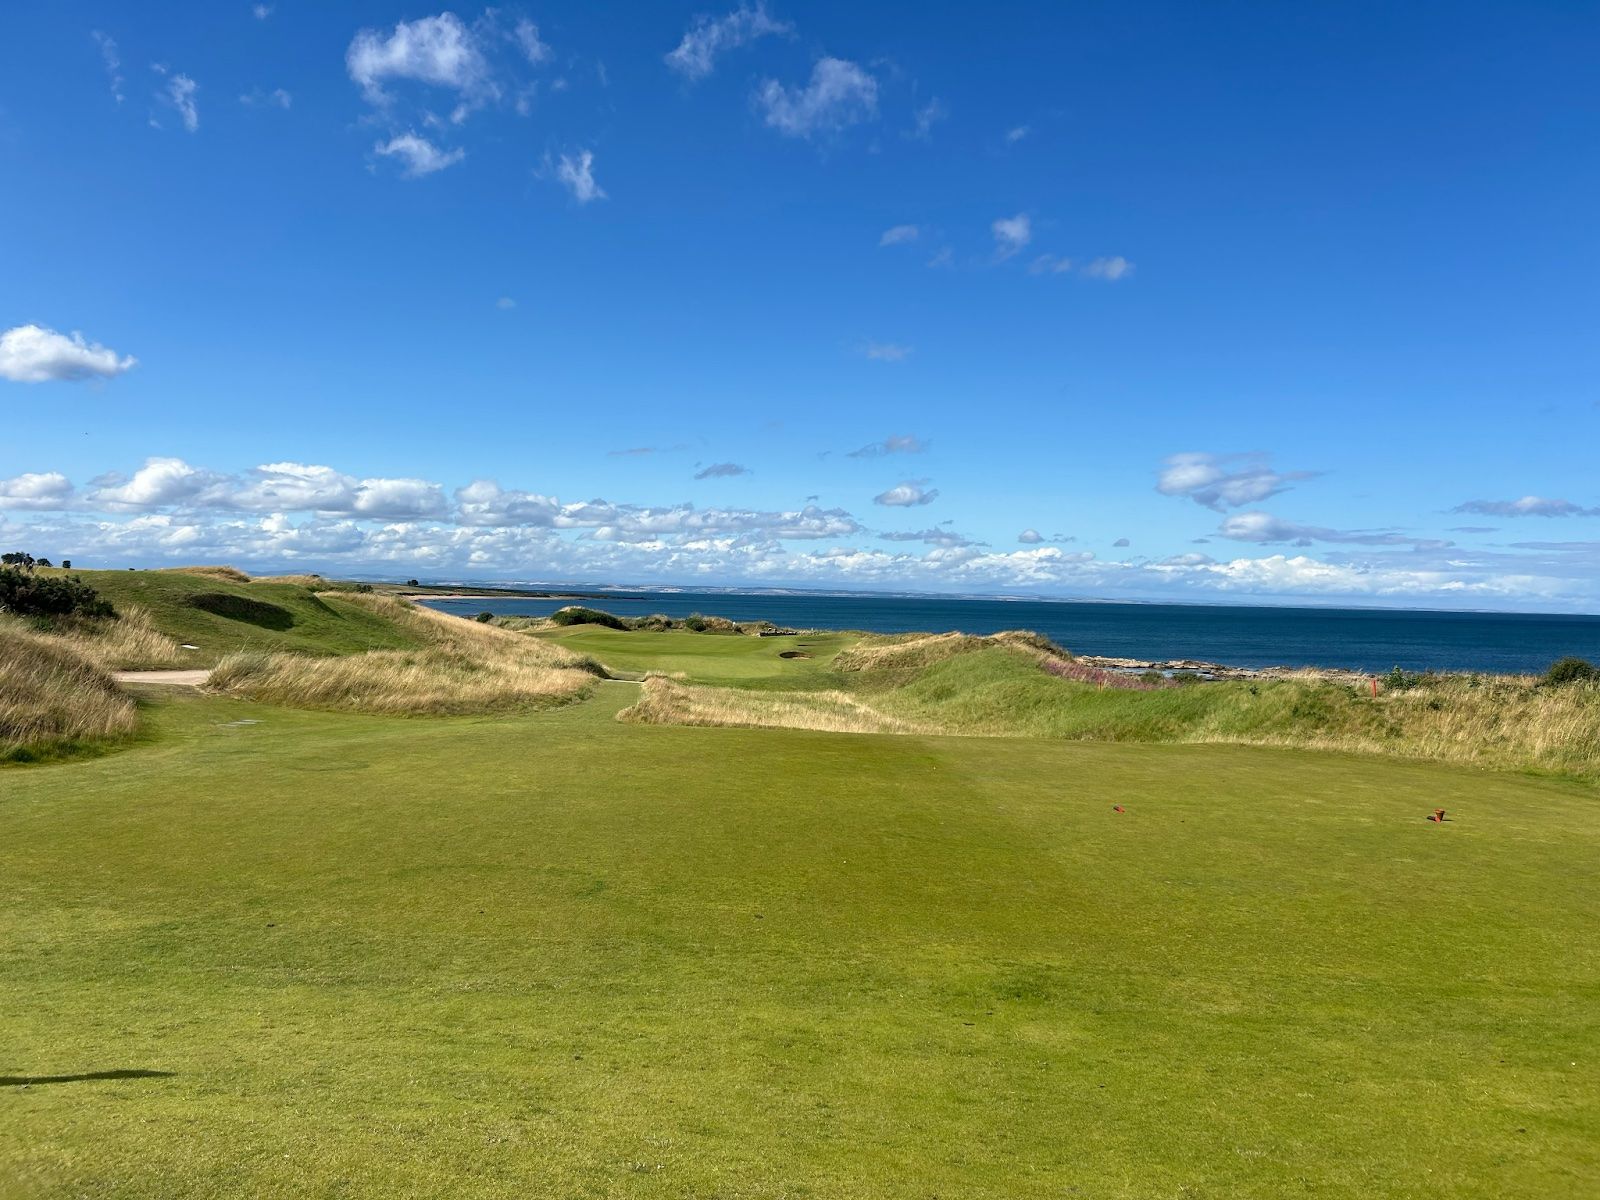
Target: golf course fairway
[{"x": 274, "y": 953}]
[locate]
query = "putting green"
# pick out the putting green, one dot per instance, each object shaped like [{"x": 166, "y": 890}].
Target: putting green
[{"x": 554, "y": 955}]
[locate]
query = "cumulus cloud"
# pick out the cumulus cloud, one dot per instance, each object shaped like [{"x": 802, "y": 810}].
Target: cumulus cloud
[
  {"x": 1121, "y": 543},
  {"x": 886, "y": 351},
  {"x": 1527, "y": 506},
  {"x": 909, "y": 494},
  {"x": 899, "y": 234},
  {"x": 112, "y": 59},
  {"x": 34, "y": 354},
  {"x": 1221, "y": 481},
  {"x": 439, "y": 51},
  {"x": 1030, "y": 537},
  {"x": 895, "y": 443},
  {"x": 418, "y": 155},
  {"x": 1011, "y": 234},
  {"x": 161, "y": 482},
  {"x": 1264, "y": 528},
  {"x": 1109, "y": 269},
  {"x": 37, "y": 490},
  {"x": 723, "y": 470},
  {"x": 695, "y": 56},
  {"x": 577, "y": 173},
  {"x": 839, "y": 95}
]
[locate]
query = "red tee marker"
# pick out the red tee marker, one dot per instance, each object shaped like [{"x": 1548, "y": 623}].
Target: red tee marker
[
  {"x": 1374, "y": 687},
  {"x": 1116, "y": 808}
]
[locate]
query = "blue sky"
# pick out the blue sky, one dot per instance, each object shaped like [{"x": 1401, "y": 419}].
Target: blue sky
[{"x": 1220, "y": 302}]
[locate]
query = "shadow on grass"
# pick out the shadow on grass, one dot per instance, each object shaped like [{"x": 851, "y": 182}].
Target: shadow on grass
[{"x": 31, "y": 1080}]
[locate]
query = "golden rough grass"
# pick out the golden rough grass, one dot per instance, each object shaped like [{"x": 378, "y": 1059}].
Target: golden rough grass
[
  {"x": 52, "y": 698},
  {"x": 226, "y": 574},
  {"x": 466, "y": 667},
  {"x": 1501, "y": 722},
  {"x": 128, "y": 642},
  {"x": 665, "y": 701},
  {"x": 901, "y": 653}
]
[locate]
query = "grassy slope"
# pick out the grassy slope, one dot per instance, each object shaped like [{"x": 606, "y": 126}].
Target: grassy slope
[
  {"x": 321, "y": 624},
  {"x": 709, "y": 657},
  {"x": 558, "y": 956}
]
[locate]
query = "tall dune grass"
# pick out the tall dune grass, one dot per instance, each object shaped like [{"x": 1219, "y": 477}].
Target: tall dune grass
[
  {"x": 464, "y": 667},
  {"x": 225, "y": 574},
  {"x": 127, "y": 642},
  {"x": 53, "y": 700}
]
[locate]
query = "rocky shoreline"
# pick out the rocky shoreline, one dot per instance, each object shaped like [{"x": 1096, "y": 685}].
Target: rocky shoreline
[{"x": 1211, "y": 670}]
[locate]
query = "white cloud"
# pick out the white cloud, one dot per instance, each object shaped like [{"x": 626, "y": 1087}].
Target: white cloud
[
  {"x": 925, "y": 118},
  {"x": 1016, "y": 134},
  {"x": 1030, "y": 537},
  {"x": 724, "y": 470},
  {"x": 909, "y": 494},
  {"x": 420, "y": 156},
  {"x": 577, "y": 172},
  {"x": 440, "y": 51},
  {"x": 276, "y": 98},
  {"x": 1109, "y": 269},
  {"x": 1049, "y": 264},
  {"x": 1264, "y": 528},
  {"x": 696, "y": 56},
  {"x": 262, "y": 11},
  {"x": 1527, "y": 506},
  {"x": 899, "y": 234},
  {"x": 839, "y": 95},
  {"x": 895, "y": 443},
  {"x": 886, "y": 351},
  {"x": 42, "y": 490},
  {"x": 113, "y": 62},
  {"x": 180, "y": 94},
  {"x": 505, "y": 304},
  {"x": 33, "y": 354},
  {"x": 1224, "y": 481},
  {"x": 526, "y": 35},
  {"x": 160, "y": 483},
  {"x": 1011, "y": 234}
]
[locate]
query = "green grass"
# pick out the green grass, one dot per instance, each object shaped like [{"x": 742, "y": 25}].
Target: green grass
[
  {"x": 718, "y": 658},
  {"x": 194, "y": 609},
  {"x": 559, "y": 956}
]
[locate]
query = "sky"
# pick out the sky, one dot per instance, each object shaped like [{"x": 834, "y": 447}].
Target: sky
[{"x": 1220, "y": 303}]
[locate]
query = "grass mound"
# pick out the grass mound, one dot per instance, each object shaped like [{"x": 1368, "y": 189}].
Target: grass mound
[
  {"x": 54, "y": 701},
  {"x": 577, "y": 614},
  {"x": 917, "y": 652},
  {"x": 322, "y": 620},
  {"x": 460, "y": 667},
  {"x": 243, "y": 608},
  {"x": 665, "y": 701},
  {"x": 226, "y": 574}
]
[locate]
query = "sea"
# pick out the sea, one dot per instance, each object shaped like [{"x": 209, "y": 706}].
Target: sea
[{"x": 1369, "y": 640}]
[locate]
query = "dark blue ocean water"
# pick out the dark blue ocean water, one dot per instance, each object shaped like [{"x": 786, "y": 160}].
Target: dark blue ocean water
[{"x": 1357, "y": 639}]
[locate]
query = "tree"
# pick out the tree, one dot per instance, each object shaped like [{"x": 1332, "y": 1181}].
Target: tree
[{"x": 18, "y": 558}]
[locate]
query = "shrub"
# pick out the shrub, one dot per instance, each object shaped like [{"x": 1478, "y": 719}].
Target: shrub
[
  {"x": 412, "y": 583},
  {"x": 484, "y": 617},
  {"x": 1571, "y": 669},
  {"x": 576, "y": 614},
  {"x": 25, "y": 594}
]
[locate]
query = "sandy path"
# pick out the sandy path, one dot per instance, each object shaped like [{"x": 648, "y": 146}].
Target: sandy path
[{"x": 171, "y": 678}]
